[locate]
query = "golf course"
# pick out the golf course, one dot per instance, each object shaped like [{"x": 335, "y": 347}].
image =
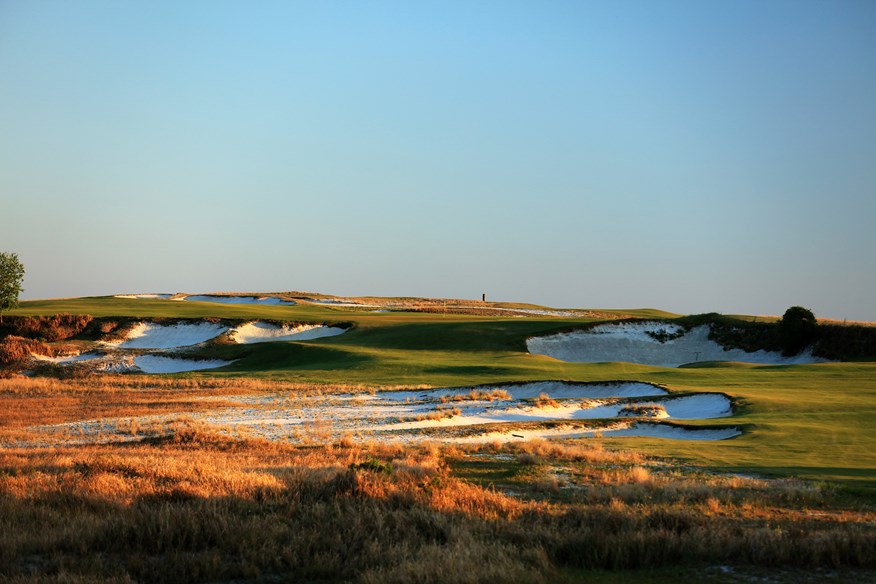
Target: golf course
[{"x": 394, "y": 391}]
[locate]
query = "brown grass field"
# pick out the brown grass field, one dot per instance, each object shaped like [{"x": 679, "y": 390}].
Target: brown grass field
[{"x": 187, "y": 502}]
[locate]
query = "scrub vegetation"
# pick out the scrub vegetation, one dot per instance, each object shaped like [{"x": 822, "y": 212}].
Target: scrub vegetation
[
  {"x": 792, "y": 333},
  {"x": 194, "y": 505},
  {"x": 791, "y": 499}
]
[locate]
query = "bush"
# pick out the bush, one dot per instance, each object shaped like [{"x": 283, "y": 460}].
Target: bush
[
  {"x": 17, "y": 349},
  {"x": 51, "y": 328},
  {"x": 374, "y": 465},
  {"x": 846, "y": 343},
  {"x": 797, "y": 329}
]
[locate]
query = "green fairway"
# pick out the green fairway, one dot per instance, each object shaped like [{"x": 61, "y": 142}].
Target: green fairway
[{"x": 813, "y": 421}]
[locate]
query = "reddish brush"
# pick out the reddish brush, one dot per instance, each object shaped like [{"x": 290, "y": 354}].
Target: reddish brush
[
  {"x": 51, "y": 328},
  {"x": 14, "y": 349}
]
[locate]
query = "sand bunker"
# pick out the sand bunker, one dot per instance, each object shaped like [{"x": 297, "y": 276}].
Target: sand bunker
[
  {"x": 650, "y": 430},
  {"x": 115, "y": 362},
  {"x": 263, "y": 332},
  {"x": 452, "y": 413},
  {"x": 126, "y": 356},
  {"x": 692, "y": 407},
  {"x": 67, "y": 358},
  {"x": 634, "y": 430},
  {"x": 148, "y": 335},
  {"x": 262, "y": 300},
  {"x": 118, "y": 362},
  {"x": 632, "y": 343},
  {"x": 532, "y": 389},
  {"x": 144, "y": 296},
  {"x": 476, "y": 413},
  {"x": 158, "y": 364}
]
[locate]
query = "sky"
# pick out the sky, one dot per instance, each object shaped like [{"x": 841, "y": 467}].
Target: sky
[{"x": 684, "y": 155}]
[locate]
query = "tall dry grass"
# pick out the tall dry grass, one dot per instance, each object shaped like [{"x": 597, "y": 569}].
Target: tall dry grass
[
  {"x": 188, "y": 502},
  {"x": 196, "y": 505},
  {"x": 14, "y": 349}
]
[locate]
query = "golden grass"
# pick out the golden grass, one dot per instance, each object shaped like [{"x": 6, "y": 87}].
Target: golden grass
[
  {"x": 190, "y": 502},
  {"x": 477, "y": 395},
  {"x": 439, "y": 413},
  {"x": 545, "y": 401},
  {"x": 27, "y": 402}
]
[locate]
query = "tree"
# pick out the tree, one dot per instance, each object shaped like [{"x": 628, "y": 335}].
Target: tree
[
  {"x": 797, "y": 329},
  {"x": 11, "y": 274}
]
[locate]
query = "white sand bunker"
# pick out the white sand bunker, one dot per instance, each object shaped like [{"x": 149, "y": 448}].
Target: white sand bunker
[
  {"x": 460, "y": 414},
  {"x": 647, "y": 430},
  {"x": 634, "y": 430},
  {"x": 127, "y": 363},
  {"x": 545, "y": 409},
  {"x": 262, "y": 300},
  {"x": 145, "y": 296},
  {"x": 148, "y": 335},
  {"x": 264, "y": 332},
  {"x": 448, "y": 413},
  {"x": 67, "y": 358},
  {"x": 631, "y": 342},
  {"x": 158, "y": 364},
  {"x": 533, "y": 389}
]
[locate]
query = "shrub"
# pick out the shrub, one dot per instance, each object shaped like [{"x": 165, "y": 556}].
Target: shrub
[
  {"x": 846, "y": 343},
  {"x": 545, "y": 401},
  {"x": 51, "y": 328},
  {"x": 797, "y": 329},
  {"x": 644, "y": 411},
  {"x": 17, "y": 349},
  {"x": 373, "y": 465}
]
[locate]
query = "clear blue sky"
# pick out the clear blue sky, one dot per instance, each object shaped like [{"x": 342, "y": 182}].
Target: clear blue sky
[{"x": 691, "y": 156}]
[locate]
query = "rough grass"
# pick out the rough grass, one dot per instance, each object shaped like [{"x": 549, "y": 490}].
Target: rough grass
[
  {"x": 198, "y": 506},
  {"x": 189, "y": 502},
  {"x": 477, "y": 395},
  {"x": 439, "y": 413}
]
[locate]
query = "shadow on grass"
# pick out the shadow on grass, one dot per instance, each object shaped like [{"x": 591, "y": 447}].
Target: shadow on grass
[
  {"x": 861, "y": 480},
  {"x": 455, "y": 336},
  {"x": 279, "y": 356},
  {"x": 469, "y": 370}
]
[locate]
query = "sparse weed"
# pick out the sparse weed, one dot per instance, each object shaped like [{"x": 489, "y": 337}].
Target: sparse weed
[
  {"x": 438, "y": 413},
  {"x": 545, "y": 401},
  {"x": 644, "y": 411}
]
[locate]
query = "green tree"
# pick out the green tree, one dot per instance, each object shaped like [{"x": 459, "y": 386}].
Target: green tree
[
  {"x": 11, "y": 274},
  {"x": 797, "y": 329}
]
